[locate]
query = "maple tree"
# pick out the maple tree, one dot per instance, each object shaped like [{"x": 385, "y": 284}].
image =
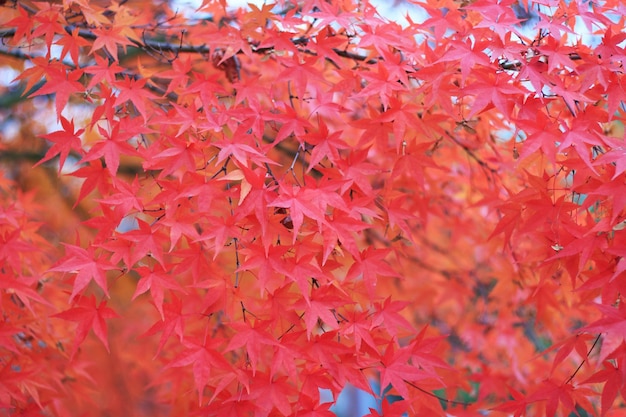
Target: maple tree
[{"x": 233, "y": 211}]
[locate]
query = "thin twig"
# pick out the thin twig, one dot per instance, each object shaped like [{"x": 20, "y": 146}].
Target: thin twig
[
  {"x": 445, "y": 400},
  {"x": 583, "y": 361}
]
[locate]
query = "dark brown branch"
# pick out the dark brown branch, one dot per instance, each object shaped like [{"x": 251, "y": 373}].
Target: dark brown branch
[
  {"x": 471, "y": 154},
  {"x": 10, "y": 156},
  {"x": 15, "y": 53},
  {"x": 443, "y": 399},
  {"x": 180, "y": 47}
]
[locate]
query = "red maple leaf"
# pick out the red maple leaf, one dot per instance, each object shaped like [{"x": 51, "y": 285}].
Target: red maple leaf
[
  {"x": 178, "y": 74},
  {"x": 324, "y": 144},
  {"x": 114, "y": 144},
  {"x": 134, "y": 90},
  {"x": 613, "y": 320},
  {"x": 467, "y": 54},
  {"x": 109, "y": 39},
  {"x": 86, "y": 265},
  {"x": 254, "y": 337},
  {"x": 396, "y": 370},
  {"x": 173, "y": 322},
  {"x": 147, "y": 242},
  {"x": 89, "y": 317},
  {"x": 320, "y": 308},
  {"x": 72, "y": 43},
  {"x": 371, "y": 264},
  {"x": 205, "y": 362},
  {"x": 396, "y": 408},
  {"x": 65, "y": 141},
  {"x": 96, "y": 177},
  {"x": 22, "y": 287},
  {"x": 23, "y": 24},
  {"x": 62, "y": 83},
  {"x": 613, "y": 377},
  {"x": 157, "y": 280},
  {"x": 102, "y": 70},
  {"x": 49, "y": 23}
]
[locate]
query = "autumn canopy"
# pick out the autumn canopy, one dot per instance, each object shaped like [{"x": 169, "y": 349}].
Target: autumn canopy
[{"x": 240, "y": 212}]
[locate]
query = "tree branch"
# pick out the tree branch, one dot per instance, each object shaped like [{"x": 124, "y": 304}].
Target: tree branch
[
  {"x": 9, "y": 156},
  {"x": 442, "y": 399},
  {"x": 471, "y": 154}
]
